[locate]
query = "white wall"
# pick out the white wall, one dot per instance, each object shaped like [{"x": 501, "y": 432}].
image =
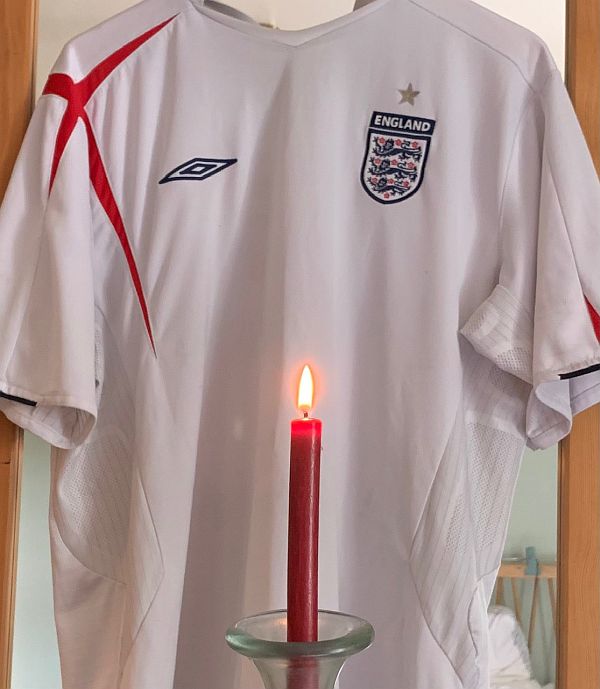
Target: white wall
[
  {"x": 35, "y": 660},
  {"x": 35, "y": 652}
]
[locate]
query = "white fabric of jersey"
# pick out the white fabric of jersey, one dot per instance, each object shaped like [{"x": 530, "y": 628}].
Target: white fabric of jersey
[{"x": 439, "y": 325}]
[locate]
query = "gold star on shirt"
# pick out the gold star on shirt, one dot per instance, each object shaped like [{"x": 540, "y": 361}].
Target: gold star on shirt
[{"x": 408, "y": 95}]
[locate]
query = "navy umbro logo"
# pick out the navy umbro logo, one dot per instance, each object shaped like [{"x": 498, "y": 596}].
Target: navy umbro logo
[
  {"x": 395, "y": 156},
  {"x": 198, "y": 168}
]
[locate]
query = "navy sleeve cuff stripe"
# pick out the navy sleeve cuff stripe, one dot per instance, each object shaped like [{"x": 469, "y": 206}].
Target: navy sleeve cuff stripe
[
  {"x": 14, "y": 398},
  {"x": 581, "y": 372}
]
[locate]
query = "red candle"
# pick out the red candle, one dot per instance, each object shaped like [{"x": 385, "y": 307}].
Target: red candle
[{"x": 303, "y": 524}]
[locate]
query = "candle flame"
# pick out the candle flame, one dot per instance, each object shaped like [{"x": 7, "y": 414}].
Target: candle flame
[{"x": 305, "y": 390}]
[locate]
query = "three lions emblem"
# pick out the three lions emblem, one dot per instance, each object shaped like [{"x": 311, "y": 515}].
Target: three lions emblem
[{"x": 395, "y": 156}]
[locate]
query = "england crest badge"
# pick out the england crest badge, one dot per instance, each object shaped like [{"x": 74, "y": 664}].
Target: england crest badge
[{"x": 395, "y": 156}]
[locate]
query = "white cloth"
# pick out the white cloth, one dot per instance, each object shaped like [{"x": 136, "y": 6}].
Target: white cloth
[
  {"x": 509, "y": 655},
  {"x": 154, "y": 332}
]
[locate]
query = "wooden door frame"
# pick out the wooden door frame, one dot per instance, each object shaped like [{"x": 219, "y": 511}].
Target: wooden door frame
[
  {"x": 578, "y": 640},
  {"x": 18, "y": 45},
  {"x": 578, "y": 648}
]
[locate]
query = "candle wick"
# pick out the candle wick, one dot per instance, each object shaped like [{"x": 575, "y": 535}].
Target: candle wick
[{"x": 306, "y": 415}]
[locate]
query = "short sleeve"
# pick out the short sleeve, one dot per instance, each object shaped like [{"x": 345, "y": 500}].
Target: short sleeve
[
  {"x": 47, "y": 332},
  {"x": 541, "y": 321}
]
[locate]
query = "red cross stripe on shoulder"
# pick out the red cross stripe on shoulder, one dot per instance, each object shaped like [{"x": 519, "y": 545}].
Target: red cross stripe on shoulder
[
  {"x": 595, "y": 318},
  {"x": 77, "y": 94}
]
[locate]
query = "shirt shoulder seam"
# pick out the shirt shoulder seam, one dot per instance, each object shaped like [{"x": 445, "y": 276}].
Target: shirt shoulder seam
[
  {"x": 136, "y": 53},
  {"x": 528, "y": 102},
  {"x": 475, "y": 38},
  {"x": 117, "y": 70}
]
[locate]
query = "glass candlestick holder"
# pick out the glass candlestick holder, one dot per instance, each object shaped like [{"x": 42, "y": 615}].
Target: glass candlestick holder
[{"x": 286, "y": 664}]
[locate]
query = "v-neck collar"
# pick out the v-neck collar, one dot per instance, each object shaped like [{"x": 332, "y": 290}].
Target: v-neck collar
[{"x": 290, "y": 37}]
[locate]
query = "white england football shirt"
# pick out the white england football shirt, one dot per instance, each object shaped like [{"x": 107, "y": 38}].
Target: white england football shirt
[{"x": 402, "y": 197}]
